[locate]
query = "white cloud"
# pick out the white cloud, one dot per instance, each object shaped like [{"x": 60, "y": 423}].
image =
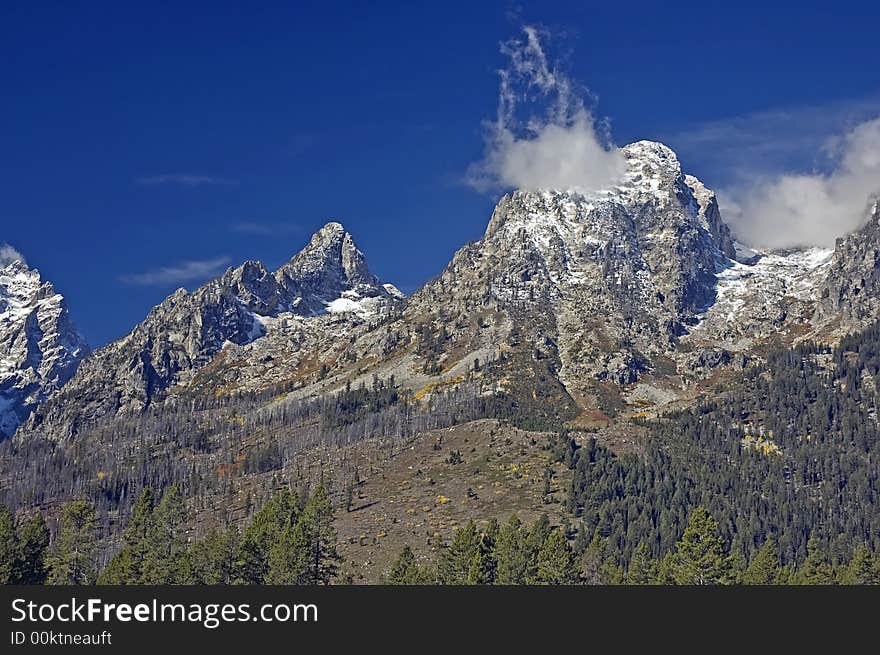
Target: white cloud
[
  {"x": 544, "y": 136},
  {"x": 789, "y": 210},
  {"x": 8, "y": 254},
  {"x": 741, "y": 147},
  {"x": 184, "y": 180},
  {"x": 199, "y": 269}
]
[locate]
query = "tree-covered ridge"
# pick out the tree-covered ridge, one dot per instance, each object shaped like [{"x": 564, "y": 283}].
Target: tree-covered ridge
[
  {"x": 517, "y": 555},
  {"x": 789, "y": 454},
  {"x": 291, "y": 540}
]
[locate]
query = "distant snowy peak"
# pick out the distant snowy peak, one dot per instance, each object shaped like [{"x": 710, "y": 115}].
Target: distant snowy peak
[
  {"x": 329, "y": 275},
  {"x": 40, "y": 348},
  {"x": 329, "y": 266},
  {"x": 651, "y": 169}
]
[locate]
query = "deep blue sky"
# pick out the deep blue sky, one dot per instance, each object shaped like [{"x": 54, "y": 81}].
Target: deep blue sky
[{"x": 367, "y": 113}]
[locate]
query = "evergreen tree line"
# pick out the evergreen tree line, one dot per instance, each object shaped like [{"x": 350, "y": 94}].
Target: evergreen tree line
[
  {"x": 291, "y": 540},
  {"x": 788, "y": 455},
  {"x": 515, "y": 555},
  {"x": 512, "y": 554}
]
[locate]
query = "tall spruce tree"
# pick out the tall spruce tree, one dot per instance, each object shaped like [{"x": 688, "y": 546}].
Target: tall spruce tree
[
  {"x": 306, "y": 553},
  {"x": 763, "y": 569},
  {"x": 288, "y": 556},
  {"x": 72, "y": 557},
  {"x": 405, "y": 570},
  {"x": 317, "y": 520},
  {"x": 33, "y": 540},
  {"x": 456, "y": 559},
  {"x": 165, "y": 558},
  {"x": 642, "y": 569},
  {"x": 815, "y": 569},
  {"x": 483, "y": 564},
  {"x": 556, "y": 561},
  {"x": 512, "y": 554},
  {"x": 864, "y": 567},
  {"x": 699, "y": 557},
  {"x": 129, "y": 565},
  {"x": 274, "y": 521},
  {"x": 212, "y": 560}
]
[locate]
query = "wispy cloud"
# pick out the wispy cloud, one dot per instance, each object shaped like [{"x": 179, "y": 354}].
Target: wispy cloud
[
  {"x": 257, "y": 228},
  {"x": 544, "y": 134},
  {"x": 186, "y": 271},
  {"x": 185, "y": 180},
  {"x": 797, "y": 176},
  {"x": 785, "y": 139},
  {"x": 810, "y": 209},
  {"x": 8, "y": 254}
]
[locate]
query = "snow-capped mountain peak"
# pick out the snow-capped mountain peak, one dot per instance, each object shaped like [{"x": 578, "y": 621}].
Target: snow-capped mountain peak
[
  {"x": 39, "y": 347},
  {"x": 329, "y": 265}
]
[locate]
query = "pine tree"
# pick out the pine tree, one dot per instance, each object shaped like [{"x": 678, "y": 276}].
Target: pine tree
[
  {"x": 864, "y": 568},
  {"x": 738, "y": 566},
  {"x": 642, "y": 569},
  {"x": 593, "y": 560},
  {"x": 483, "y": 564},
  {"x": 699, "y": 557},
  {"x": 307, "y": 552},
  {"x": 212, "y": 560},
  {"x": 33, "y": 540},
  {"x": 8, "y": 547},
  {"x": 533, "y": 543},
  {"x": 323, "y": 557},
  {"x": 556, "y": 561},
  {"x": 165, "y": 543},
  {"x": 128, "y": 566},
  {"x": 456, "y": 560},
  {"x": 72, "y": 558},
  {"x": 287, "y": 561},
  {"x": 815, "y": 570},
  {"x": 511, "y": 553},
  {"x": 405, "y": 570},
  {"x": 763, "y": 569},
  {"x": 277, "y": 516}
]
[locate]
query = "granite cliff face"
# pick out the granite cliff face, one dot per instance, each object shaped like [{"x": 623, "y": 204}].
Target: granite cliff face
[{"x": 40, "y": 348}]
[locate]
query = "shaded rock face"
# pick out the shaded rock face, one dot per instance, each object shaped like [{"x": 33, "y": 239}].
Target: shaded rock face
[
  {"x": 40, "y": 348},
  {"x": 187, "y": 330},
  {"x": 851, "y": 290}
]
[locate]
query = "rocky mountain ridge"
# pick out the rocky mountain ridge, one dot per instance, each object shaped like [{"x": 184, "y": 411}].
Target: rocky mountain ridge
[
  {"x": 186, "y": 331},
  {"x": 638, "y": 290}
]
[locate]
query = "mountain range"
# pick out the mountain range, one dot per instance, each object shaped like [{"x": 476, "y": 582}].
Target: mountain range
[{"x": 588, "y": 311}]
